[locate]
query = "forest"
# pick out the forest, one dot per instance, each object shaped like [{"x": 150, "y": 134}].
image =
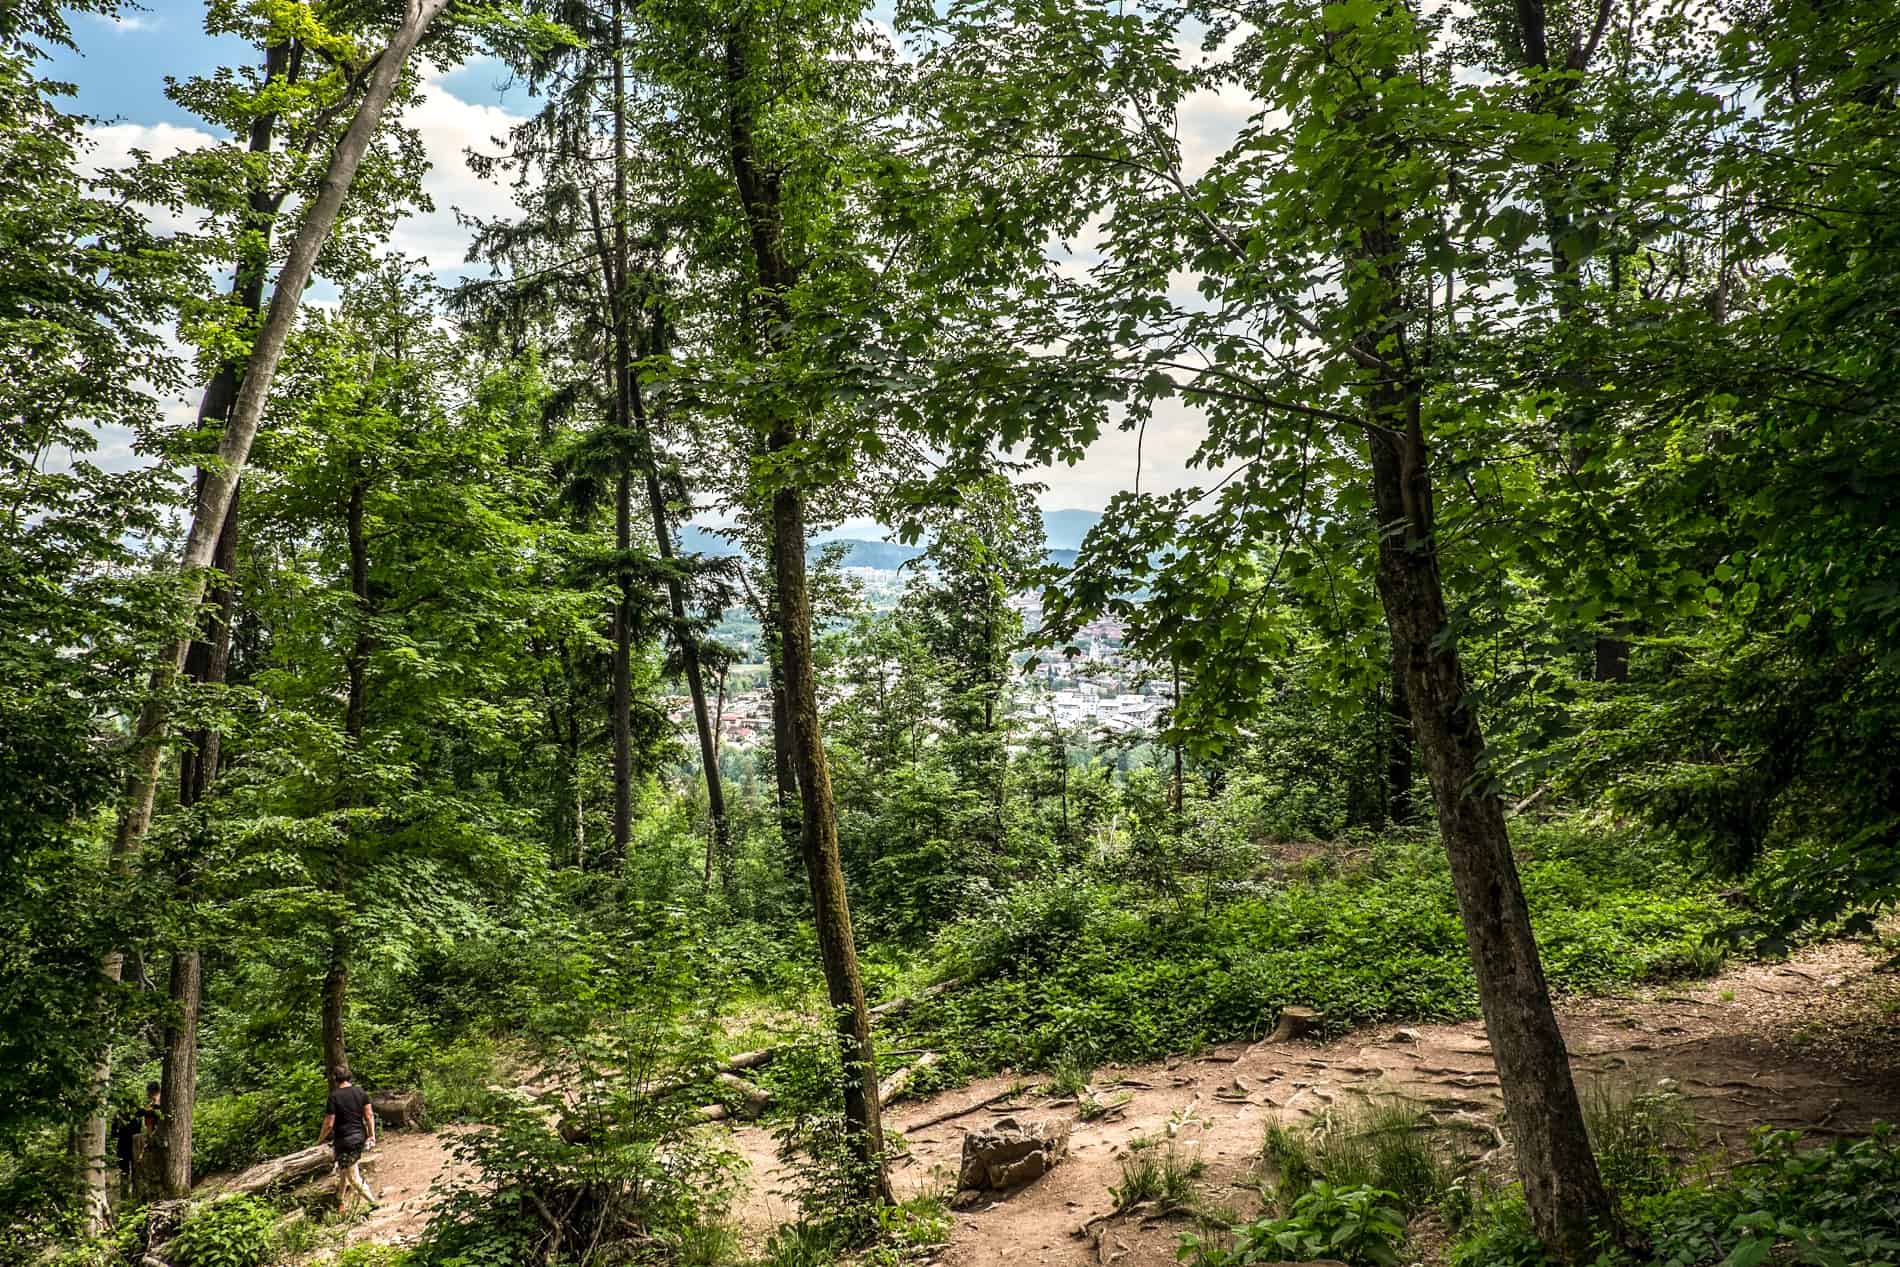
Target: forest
[{"x": 623, "y": 750}]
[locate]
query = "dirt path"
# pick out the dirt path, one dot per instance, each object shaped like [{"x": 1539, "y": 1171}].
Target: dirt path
[
  {"x": 1805, "y": 1043},
  {"x": 1810, "y": 1043}
]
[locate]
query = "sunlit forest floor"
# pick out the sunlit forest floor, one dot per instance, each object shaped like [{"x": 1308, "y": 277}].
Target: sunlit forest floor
[{"x": 1812, "y": 1042}]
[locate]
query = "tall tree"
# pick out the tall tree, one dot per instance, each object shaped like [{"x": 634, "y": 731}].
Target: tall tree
[
  {"x": 1327, "y": 240},
  {"x": 384, "y": 72},
  {"x": 594, "y": 240}
]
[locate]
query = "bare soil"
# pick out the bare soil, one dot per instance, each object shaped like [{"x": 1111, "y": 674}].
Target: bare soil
[{"x": 1808, "y": 1043}]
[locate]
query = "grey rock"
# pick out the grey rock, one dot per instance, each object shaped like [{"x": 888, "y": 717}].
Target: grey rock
[{"x": 1008, "y": 1153}]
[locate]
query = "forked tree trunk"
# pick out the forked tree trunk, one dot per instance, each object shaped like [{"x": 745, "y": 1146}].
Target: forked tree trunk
[
  {"x": 214, "y": 500},
  {"x": 760, "y": 196},
  {"x": 720, "y": 846},
  {"x": 1562, "y": 1187},
  {"x": 206, "y": 662}
]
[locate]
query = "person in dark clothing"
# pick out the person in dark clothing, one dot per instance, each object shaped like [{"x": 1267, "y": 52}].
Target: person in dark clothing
[
  {"x": 350, "y": 1124},
  {"x": 134, "y": 1131}
]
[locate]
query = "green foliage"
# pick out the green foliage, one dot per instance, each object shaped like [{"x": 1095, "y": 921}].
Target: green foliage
[
  {"x": 827, "y": 1168},
  {"x": 230, "y": 1132},
  {"x": 1360, "y": 1224},
  {"x": 1641, "y": 1140},
  {"x": 369, "y": 1254},
  {"x": 1059, "y": 966},
  {"x": 227, "y": 1232},
  {"x": 1069, "y": 1077},
  {"x": 1387, "y": 1145},
  {"x": 1161, "y": 1172},
  {"x": 619, "y": 1152},
  {"x": 1823, "y": 1206}
]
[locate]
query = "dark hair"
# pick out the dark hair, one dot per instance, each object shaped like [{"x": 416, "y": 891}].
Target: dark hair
[
  {"x": 151, "y": 1088},
  {"x": 340, "y": 1074}
]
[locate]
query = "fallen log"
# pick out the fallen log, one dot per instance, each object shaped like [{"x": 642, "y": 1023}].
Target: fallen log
[
  {"x": 898, "y": 1006},
  {"x": 285, "y": 1169},
  {"x": 899, "y": 1083},
  {"x": 755, "y": 1099},
  {"x": 750, "y": 1060}
]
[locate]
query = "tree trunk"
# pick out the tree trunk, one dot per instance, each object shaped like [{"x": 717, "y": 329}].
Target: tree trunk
[
  {"x": 336, "y": 990},
  {"x": 1398, "y": 746},
  {"x": 207, "y": 661},
  {"x": 623, "y": 674},
  {"x": 784, "y": 772},
  {"x": 720, "y": 846},
  {"x": 818, "y": 840},
  {"x": 214, "y": 500},
  {"x": 623, "y": 492},
  {"x": 1562, "y": 1187},
  {"x": 759, "y": 194}
]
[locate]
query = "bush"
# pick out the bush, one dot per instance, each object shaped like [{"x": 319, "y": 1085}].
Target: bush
[
  {"x": 1160, "y": 1173},
  {"x": 1787, "y": 1204},
  {"x": 227, "y": 1232},
  {"x": 1361, "y": 1225},
  {"x": 230, "y": 1132},
  {"x": 1382, "y": 1144},
  {"x": 1058, "y": 967},
  {"x": 620, "y": 1166}
]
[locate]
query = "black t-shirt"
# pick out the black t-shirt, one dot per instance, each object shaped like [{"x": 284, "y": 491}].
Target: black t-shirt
[{"x": 347, "y": 1104}]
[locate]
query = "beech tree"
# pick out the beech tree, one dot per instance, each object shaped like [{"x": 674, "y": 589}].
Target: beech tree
[{"x": 384, "y": 71}]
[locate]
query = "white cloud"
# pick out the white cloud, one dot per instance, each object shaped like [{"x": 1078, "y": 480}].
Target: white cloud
[
  {"x": 111, "y": 148},
  {"x": 124, "y": 23},
  {"x": 449, "y": 127}
]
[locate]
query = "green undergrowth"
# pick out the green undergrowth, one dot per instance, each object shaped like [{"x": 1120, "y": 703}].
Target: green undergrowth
[
  {"x": 1789, "y": 1203},
  {"x": 1066, "y": 970}
]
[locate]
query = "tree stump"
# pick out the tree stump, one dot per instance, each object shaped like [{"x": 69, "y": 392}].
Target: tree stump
[
  {"x": 398, "y": 1110},
  {"x": 1297, "y": 1022}
]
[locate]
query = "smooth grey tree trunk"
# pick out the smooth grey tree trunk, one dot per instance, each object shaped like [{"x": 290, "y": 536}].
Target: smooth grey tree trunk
[{"x": 207, "y": 521}]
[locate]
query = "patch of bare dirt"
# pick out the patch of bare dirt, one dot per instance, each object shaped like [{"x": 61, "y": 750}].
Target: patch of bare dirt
[{"x": 1807, "y": 1043}]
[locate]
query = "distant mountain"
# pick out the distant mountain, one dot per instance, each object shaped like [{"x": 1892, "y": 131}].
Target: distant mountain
[
  {"x": 1066, "y": 528},
  {"x": 697, "y": 540},
  {"x": 886, "y": 556}
]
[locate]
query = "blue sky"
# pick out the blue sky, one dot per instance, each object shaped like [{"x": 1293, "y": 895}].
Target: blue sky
[{"x": 119, "y": 72}]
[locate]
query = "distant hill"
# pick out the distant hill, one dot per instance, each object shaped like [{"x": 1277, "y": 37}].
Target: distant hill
[{"x": 1065, "y": 530}]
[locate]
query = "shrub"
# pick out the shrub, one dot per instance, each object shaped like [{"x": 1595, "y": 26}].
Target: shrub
[
  {"x": 1786, "y": 1204},
  {"x": 1160, "y": 1173},
  {"x": 1639, "y": 1139},
  {"x": 370, "y": 1255},
  {"x": 1057, "y": 968},
  {"x": 1387, "y": 1145},
  {"x": 230, "y": 1132},
  {"x": 626, "y": 1167},
  {"x": 228, "y": 1232},
  {"x": 1361, "y": 1225}
]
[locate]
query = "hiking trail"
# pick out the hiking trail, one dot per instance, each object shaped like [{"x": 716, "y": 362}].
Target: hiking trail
[{"x": 1808, "y": 1042}]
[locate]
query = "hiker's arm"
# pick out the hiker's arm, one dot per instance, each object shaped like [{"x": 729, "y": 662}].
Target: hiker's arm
[
  {"x": 369, "y": 1121},
  {"x": 329, "y": 1124}
]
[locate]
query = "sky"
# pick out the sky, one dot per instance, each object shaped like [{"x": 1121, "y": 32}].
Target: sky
[{"x": 119, "y": 72}]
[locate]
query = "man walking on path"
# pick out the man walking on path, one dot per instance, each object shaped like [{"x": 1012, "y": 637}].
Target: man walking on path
[{"x": 350, "y": 1123}]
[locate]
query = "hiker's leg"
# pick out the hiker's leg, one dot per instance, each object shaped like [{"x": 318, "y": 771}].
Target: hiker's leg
[
  {"x": 342, "y": 1188},
  {"x": 356, "y": 1178}
]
